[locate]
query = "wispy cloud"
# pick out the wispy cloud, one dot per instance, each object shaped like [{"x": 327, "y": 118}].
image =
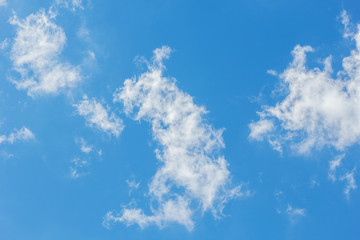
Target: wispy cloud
[
  {"x": 260, "y": 129},
  {"x": 348, "y": 177},
  {"x": 2, "y": 3},
  {"x": 295, "y": 213},
  {"x": 85, "y": 148},
  {"x": 318, "y": 110},
  {"x": 36, "y": 55},
  {"x": 350, "y": 183},
  {"x": 5, "y": 155},
  {"x": 98, "y": 116},
  {"x": 24, "y": 134},
  {"x": 192, "y": 169},
  {"x": 77, "y": 167},
  {"x": 348, "y": 28},
  {"x": 284, "y": 208},
  {"x": 4, "y": 44},
  {"x": 132, "y": 184},
  {"x": 71, "y": 4},
  {"x": 314, "y": 183},
  {"x": 81, "y": 162},
  {"x": 333, "y": 165}
]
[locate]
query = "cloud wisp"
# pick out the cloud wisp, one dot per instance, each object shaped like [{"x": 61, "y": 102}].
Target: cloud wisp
[
  {"x": 333, "y": 165},
  {"x": 99, "y": 117},
  {"x": 318, "y": 110},
  {"x": 70, "y": 4},
  {"x": 192, "y": 170},
  {"x": 85, "y": 147},
  {"x": 350, "y": 182},
  {"x": 35, "y": 54},
  {"x": 23, "y": 134},
  {"x": 295, "y": 213},
  {"x": 77, "y": 167}
]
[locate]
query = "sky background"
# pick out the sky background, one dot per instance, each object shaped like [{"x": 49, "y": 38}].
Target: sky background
[{"x": 71, "y": 155}]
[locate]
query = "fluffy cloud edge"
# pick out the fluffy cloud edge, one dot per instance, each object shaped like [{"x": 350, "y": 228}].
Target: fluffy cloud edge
[
  {"x": 318, "y": 110},
  {"x": 35, "y": 54},
  {"x": 192, "y": 169},
  {"x": 22, "y": 134}
]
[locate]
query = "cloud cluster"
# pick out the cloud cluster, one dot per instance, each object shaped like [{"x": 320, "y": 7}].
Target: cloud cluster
[
  {"x": 192, "y": 169},
  {"x": 71, "y": 4},
  {"x": 318, "y": 110},
  {"x": 35, "y": 54},
  {"x": 24, "y": 134},
  {"x": 98, "y": 116}
]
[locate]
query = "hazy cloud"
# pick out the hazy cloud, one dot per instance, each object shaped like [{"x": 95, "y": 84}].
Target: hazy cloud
[{"x": 295, "y": 213}]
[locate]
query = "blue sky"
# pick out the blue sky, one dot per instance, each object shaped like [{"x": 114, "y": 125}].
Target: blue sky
[{"x": 179, "y": 119}]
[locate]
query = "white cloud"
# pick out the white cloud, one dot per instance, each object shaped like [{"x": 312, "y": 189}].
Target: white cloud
[
  {"x": 99, "y": 153},
  {"x": 98, "y": 116},
  {"x": 133, "y": 184},
  {"x": 318, "y": 110},
  {"x": 333, "y": 165},
  {"x": 24, "y": 134},
  {"x": 351, "y": 185},
  {"x": 260, "y": 128},
  {"x": 272, "y": 72},
  {"x": 77, "y": 167},
  {"x": 5, "y": 155},
  {"x": 173, "y": 210},
  {"x": 314, "y": 183},
  {"x": 4, "y": 44},
  {"x": 348, "y": 177},
  {"x": 36, "y": 56},
  {"x": 192, "y": 169},
  {"x": 295, "y": 213},
  {"x": 71, "y": 4},
  {"x": 278, "y": 194},
  {"x": 85, "y": 148},
  {"x": 345, "y": 20},
  {"x": 2, "y": 3}
]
